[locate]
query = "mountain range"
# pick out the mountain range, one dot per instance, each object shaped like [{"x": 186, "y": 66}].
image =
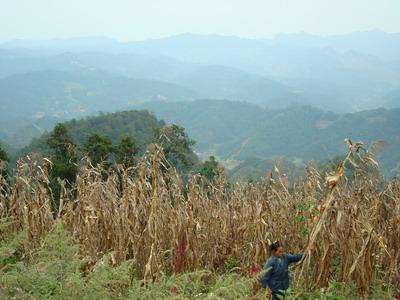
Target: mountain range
[
  {"x": 296, "y": 95},
  {"x": 342, "y": 73}
]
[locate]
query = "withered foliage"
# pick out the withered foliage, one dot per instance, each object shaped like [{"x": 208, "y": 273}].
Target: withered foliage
[{"x": 350, "y": 229}]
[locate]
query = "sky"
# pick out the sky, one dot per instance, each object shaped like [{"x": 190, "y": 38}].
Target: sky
[{"x": 129, "y": 20}]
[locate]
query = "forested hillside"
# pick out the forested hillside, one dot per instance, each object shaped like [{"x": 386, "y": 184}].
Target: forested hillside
[
  {"x": 240, "y": 130},
  {"x": 138, "y": 124},
  {"x": 247, "y": 135}
]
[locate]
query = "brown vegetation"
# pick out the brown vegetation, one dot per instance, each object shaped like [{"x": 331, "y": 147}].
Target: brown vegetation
[{"x": 349, "y": 228}]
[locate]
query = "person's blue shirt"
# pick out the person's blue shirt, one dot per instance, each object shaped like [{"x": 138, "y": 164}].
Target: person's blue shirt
[{"x": 276, "y": 276}]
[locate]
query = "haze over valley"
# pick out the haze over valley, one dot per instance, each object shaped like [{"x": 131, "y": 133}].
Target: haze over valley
[{"x": 295, "y": 95}]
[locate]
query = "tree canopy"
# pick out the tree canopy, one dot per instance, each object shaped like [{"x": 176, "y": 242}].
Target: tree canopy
[
  {"x": 98, "y": 147},
  {"x": 177, "y": 146}
]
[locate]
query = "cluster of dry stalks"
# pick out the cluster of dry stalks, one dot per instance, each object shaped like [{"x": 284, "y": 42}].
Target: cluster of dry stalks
[{"x": 351, "y": 231}]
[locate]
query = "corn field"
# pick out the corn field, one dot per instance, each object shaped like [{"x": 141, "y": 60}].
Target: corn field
[{"x": 349, "y": 229}]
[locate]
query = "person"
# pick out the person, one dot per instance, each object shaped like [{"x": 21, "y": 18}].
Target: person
[{"x": 276, "y": 277}]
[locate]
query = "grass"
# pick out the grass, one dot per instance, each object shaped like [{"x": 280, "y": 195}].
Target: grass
[{"x": 55, "y": 270}]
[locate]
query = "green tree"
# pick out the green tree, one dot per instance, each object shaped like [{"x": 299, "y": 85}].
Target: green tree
[
  {"x": 126, "y": 150},
  {"x": 99, "y": 148},
  {"x": 210, "y": 168},
  {"x": 61, "y": 144},
  {"x": 3, "y": 155},
  {"x": 4, "y": 160},
  {"x": 64, "y": 160},
  {"x": 177, "y": 146}
]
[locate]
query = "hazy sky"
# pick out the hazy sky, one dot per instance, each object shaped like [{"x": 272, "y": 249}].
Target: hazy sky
[{"x": 135, "y": 20}]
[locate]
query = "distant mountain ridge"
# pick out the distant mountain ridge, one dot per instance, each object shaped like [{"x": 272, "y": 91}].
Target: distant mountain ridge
[
  {"x": 72, "y": 94},
  {"x": 343, "y": 73},
  {"x": 373, "y": 42},
  {"x": 33, "y": 102}
]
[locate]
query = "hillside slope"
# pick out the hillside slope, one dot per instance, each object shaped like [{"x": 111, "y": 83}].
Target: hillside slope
[
  {"x": 234, "y": 130},
  {"x": 33, "y": 102},
  {"x": 138, "y": 124}
]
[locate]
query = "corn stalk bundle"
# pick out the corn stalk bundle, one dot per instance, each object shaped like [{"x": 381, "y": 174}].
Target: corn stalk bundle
[{"x": 147, "y": 214}]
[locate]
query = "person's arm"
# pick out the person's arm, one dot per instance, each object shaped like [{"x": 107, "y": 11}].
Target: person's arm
[
  {"x": 294, "y": 258},
  {"x": 267, "y": 274}
]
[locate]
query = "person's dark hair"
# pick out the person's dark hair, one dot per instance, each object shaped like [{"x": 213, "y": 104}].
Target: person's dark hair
[{"x": 274, "y": 246}]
